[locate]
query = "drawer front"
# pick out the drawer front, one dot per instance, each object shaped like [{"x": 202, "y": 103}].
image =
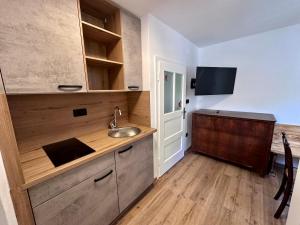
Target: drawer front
[
  {"x": 134, "y": 171},
  {"x": 200, "y": 121},
  {"x": 48, "y": 189},
  {"x": 88, "y": 203}
]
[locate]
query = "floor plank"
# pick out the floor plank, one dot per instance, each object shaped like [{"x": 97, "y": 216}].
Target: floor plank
[{"x": 203, "y": 191}]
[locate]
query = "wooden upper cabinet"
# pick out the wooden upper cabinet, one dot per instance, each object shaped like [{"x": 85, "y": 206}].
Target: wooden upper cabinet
[
  {"x": 132, "y": 49},
  {"x": 41, "y": 50}
]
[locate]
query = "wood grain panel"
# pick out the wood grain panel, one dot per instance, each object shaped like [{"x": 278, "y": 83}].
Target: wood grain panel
[
  {"x": 10, "y": 154},
  {"x": 53, "y": 187},
  {"x": 43, "y": 119},
  {"x": 40, "y": 46},
  {"x": 234, "y": 137},
  {"x": 132, "y": 49},
  {"x": 87, "y": 203},
  {"x": 139, "y": 108},
  {"x": 37, "y": 166},
  {"x": 293, "y": 135},
  {"x": 134, "y": 171},
  {"x": 203, "y": 191}
]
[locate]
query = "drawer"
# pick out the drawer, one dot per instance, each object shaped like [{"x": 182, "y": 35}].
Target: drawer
[
  {"x": 203, "y": 122},
  {"x": 134, "y": 171},
  {"x": 50, "y": 188},
  {"x": 92, "y": 202}
]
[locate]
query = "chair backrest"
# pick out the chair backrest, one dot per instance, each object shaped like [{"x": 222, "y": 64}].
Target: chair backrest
[{"x": 288, "y": 155}]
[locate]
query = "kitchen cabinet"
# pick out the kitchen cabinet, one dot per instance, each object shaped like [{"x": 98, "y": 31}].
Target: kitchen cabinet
[
  {"x": 132, "y": 49},
  {"x": 93, "y": 201},
  {"x": 98, "y": 191},
  {"x": 57, "y": 185},
  {"x": 86, "y": 195},
  {"x": 134, "y": 165},
  {"x": 41, "y": 50}
]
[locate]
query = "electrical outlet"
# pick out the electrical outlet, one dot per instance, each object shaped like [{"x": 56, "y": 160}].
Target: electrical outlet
[{"x": 79, "y": 112}]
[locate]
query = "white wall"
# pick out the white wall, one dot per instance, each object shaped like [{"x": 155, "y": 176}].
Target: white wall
[
  {"x": 7, "y": 213},
  {"x": 159, "y": 40},
  {"x": 268, "y": 77}
]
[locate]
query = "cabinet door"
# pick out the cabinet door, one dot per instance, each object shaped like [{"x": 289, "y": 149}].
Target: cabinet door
[
  {"x": 134, "y": 171},
  {"x": 132, "y": 50},
  {"x": 92, "y": 202},
  {"x": 40, "y": 44}
]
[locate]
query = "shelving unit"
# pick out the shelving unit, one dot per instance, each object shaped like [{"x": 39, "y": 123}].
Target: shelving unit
[
  {"x": 99, "y": 34},
  {"x": 101, "y": 31},
  {"x": 94, "y": 61}
]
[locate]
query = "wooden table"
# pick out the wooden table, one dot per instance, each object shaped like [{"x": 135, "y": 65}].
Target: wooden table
[{"x": 293, "y": 136}]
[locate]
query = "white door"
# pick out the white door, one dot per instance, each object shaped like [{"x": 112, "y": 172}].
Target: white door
[{"x": 171, "y": 112}]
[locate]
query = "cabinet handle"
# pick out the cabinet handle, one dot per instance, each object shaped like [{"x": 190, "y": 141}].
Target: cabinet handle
[
  {"x": 101, "y": 178},
  {"x": 125, "y": 150},
  {"x": 69, "y": 87},
  {"x": 133, "y": 87}
]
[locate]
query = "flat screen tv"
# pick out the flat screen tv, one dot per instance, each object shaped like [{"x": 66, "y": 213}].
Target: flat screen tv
[{"x": 215, "y": 80}]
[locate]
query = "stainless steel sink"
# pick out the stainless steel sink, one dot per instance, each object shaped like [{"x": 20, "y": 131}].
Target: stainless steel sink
[{"x": 124, "y": 132}]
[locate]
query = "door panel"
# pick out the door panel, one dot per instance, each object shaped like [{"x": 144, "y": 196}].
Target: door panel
[
  {"x": 132, "y": 49},
  {"x": 171, "y": 105},
  {"x": 172, "y": 148},
  {"x": 134, "y": 171},
  {"x": 173, "y": 126},
  {"x": 178, "y": 91},
  {"x": 41, "y": 46},
  {"x": 168, "y": 91}
]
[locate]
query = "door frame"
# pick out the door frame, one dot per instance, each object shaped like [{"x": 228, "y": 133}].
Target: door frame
[{"x": 158, "y": 119}]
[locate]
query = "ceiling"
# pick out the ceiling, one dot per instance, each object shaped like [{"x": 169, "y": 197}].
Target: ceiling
[{"x": 207, "y": 22}]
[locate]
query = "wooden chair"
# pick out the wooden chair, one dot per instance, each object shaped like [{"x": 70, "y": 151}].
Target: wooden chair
[{"x": 287, "y": 179}]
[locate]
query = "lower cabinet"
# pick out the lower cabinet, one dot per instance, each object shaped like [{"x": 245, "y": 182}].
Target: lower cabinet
[
  {"x": 95, "y": 193},
  {"x": 92, "y": 202},
  {"x": 134, "y": 166}
]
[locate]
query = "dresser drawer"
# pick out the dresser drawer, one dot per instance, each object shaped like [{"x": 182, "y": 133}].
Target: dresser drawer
[
  {"x": 50, "y": 188},
  {"x": 203, "y": 121}
]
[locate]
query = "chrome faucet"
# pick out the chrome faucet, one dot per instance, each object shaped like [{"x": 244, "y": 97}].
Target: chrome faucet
[{"x": 114, "y": 124}]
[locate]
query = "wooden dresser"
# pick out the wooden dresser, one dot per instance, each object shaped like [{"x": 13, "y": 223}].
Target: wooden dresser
[{"x": 239, "y": 137}]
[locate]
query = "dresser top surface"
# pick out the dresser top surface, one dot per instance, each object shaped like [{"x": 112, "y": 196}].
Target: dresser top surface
[{"x": 236, "y": 114}]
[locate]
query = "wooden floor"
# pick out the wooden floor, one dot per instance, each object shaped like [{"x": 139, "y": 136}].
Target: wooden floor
[{"x": 202, "y": 191}]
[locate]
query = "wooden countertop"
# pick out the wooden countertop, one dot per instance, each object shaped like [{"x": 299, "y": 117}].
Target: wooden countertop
[
  {"x": 237, "y": 115},
  {"x": 37, "y": 167},
  {"x": 293, "y": 136}
]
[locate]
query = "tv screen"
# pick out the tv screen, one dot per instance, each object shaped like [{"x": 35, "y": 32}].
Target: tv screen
[{"x": 215, "y": 80}]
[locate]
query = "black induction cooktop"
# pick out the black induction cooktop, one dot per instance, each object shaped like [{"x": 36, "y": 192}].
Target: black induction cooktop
[{"x": 66, "y": 151}]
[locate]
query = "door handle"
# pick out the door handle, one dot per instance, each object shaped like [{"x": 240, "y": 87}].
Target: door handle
[
  {"x": 101, "y": 178},
  {"x": 69, "y": 87},
  {"x": 184, "y": 113},
  {"x": 125, "y": 150}
]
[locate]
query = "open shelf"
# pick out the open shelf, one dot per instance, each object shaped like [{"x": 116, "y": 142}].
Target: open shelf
[
  {"x": 99, "y": 34},
  {"x": 101, "y": 14},
  {"x": 101, "y": 29},
  {"x": 101, "y": 62},
  {"x": 107, "y": 91}
]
